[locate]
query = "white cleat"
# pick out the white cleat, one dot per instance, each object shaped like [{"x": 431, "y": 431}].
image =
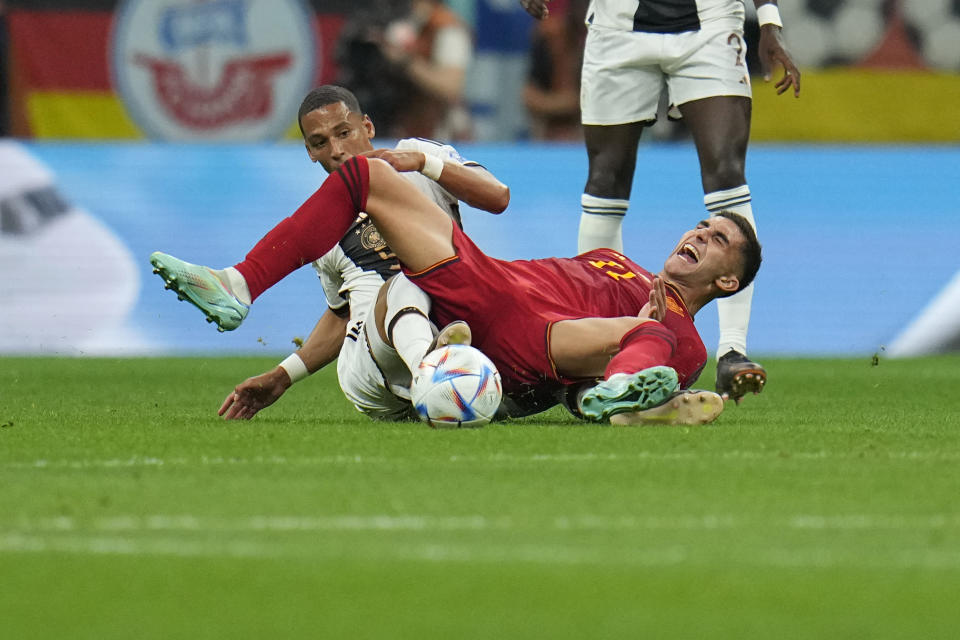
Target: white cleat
[
  {"x": 682, "y": 408},
  {"x": 457, "y": 332}
]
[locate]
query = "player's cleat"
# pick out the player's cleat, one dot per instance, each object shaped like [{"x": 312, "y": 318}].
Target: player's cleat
[
  {"x": 457, "y": 332},
  {"x": 683, "y": 408},
  {"x": 737, "y": 376},
  {"x": 627, "y": 392},
  {"x": 200, "y": 287}
]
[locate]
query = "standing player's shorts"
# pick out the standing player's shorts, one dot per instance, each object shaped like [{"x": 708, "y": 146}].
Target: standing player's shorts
[
  {"x": 625, "y": 72},
  {"x": 364, "y": 381}
]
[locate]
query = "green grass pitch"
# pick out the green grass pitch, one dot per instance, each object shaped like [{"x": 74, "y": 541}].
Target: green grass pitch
[{"x": 827, "y": 507}]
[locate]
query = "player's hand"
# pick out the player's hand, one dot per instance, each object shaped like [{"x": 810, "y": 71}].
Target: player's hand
[
  {"x": 536, "y": 8},
  {"x": 254, "y": 394},
  {"x": 772, "y": 52},
  {"x": 656, "y": 307},
  {"x": 399, "y": 160}
]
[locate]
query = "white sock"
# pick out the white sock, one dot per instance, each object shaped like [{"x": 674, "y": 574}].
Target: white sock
[
  {"x": 734, "y": 312},
  {"x": 601, "y": 221},
  {"x": 407, "y": 323},
  {"x": 411, "y": 335},
  {"x": 236, "y": 283}
]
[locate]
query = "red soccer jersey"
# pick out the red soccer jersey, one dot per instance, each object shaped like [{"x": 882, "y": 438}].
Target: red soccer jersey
[{"x": 512, "y": 305}]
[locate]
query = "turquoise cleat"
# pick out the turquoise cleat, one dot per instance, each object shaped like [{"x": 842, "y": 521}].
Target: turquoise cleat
[
  {"x": 629, "y": 392},
  {"x": 201, "y": 287}
]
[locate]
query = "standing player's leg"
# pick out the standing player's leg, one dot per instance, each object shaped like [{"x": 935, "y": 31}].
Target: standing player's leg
[
  {"x": 612, "y": 158},
  {"x": 721, "y": 130},
  {"x": 620, "y": 87},
  {"x": 417, "y": 230}
]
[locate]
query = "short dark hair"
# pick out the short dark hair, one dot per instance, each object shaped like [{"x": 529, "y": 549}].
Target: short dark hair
[
  {"x": 751, "y": 251},
  {"x": 327, "y": 94}
]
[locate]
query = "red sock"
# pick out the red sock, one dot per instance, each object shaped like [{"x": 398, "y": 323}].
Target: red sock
[
  {"x": 313, "y": 229},
  {"x": 646, "y": 345}
]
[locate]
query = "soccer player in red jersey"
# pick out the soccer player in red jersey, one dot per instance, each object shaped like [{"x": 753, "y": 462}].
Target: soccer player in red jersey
[
  {"x": 692, "y": 53},
  {"x": 545, "y": 323}
]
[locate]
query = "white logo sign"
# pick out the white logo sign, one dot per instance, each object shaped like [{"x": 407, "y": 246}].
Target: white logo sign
[{"x": 213, "y": 69}]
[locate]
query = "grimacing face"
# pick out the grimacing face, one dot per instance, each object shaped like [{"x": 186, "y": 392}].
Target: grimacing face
[
  {"x": 708, "y": 253},
  {"x": 333, "y": 134}
]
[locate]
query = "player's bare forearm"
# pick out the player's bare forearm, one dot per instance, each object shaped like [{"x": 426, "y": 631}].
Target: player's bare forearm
[
  {"x": 468, "y": 183},
  {"x": 536, "y": 8},
  {"x": 323, "y": 344},
  {"x": 254, "y": 394},
  {"x": 476, "y": 186}
]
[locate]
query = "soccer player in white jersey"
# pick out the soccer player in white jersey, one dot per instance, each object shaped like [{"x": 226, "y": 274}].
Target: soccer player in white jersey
[
  {"x": 696, "y": 50},
  {"x": 377, "y": 332}
]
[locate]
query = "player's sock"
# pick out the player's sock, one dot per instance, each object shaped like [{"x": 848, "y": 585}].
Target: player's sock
[
  {"x": 601, "y": 220},
  {"x": 236, "y": 283},
  {"x": 734, "y": 312},
  {"x": 646, "y": 345},
  {"x": 407, "y": 325},
  {"x": 313, "y": 229},
  {"x": 411, "y": 334}
]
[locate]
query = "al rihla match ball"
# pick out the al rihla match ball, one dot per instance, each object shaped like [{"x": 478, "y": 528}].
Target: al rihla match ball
[{"x": 456, "y": 386}]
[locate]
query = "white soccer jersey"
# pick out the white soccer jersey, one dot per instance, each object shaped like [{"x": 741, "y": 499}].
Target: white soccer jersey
[
  {"x": 662, "y": 16},
  {"x": 353, "y": 271}
]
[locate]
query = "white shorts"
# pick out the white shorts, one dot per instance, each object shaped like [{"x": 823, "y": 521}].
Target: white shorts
[
  {"x": 364, "y": 381},
  {"x": 624, "y": 72}
]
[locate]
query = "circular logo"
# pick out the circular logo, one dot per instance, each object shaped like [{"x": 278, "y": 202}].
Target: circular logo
[
  {"x": 213, "y": 69},
  {"x": 370, "y": 237}
]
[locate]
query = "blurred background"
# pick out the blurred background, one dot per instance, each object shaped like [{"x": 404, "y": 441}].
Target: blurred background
[{"x": 130, "y": 126}]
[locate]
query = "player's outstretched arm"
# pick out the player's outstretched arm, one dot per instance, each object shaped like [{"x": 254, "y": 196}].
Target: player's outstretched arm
[
  {"x": 772, "y": 51},
  {"x": 536, "y": 8},
  {"x": 468, "y": 183},
  {"x": 320, "y": 349}
]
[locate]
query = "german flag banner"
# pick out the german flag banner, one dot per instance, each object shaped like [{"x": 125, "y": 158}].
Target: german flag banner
[{"x": 230, "y": 70}]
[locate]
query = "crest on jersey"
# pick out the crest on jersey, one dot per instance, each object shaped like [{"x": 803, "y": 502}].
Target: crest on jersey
[
  {"x": 212, "y": 69},
  {"x": 370, "y": 237}
]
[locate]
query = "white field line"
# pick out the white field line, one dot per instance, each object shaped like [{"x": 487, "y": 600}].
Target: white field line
[
  {"x": 126, "y": 546},
  {"x": 187, "y": 523},
  {"x": 200, "y": 461},
  {"x": 811, "y": 557},
  {"x": 205, "y": 461},
  {"x": 494, "y": 554}
]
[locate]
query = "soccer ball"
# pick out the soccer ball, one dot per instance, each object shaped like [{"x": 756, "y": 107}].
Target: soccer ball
[{"x": 456, "y": 386}]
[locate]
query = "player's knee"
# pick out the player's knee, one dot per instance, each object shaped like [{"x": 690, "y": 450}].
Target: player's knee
[
  {"x": 379, "y": 168},
  {"x": 402, "y": 296}
]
